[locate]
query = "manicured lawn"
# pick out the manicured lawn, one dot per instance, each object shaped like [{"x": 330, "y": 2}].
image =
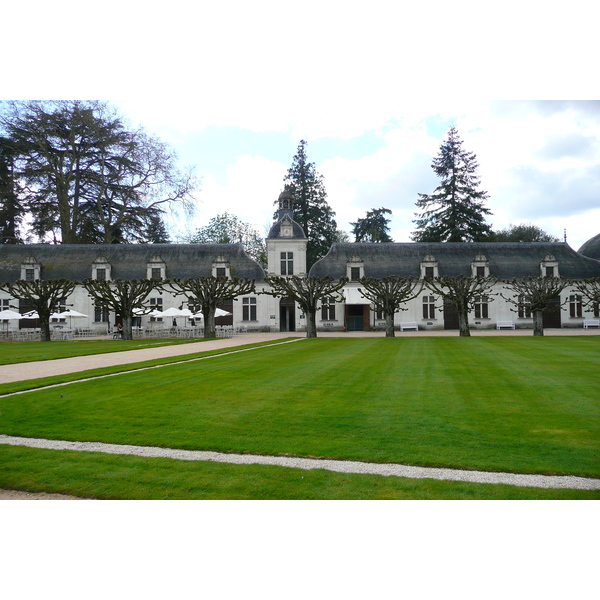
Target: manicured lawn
[
  {"x": 499, "y": 403},
  {"x": 30, "y": 384},
  {"x": 18, "y": 352},
  {"x": 104, "y": 476}
]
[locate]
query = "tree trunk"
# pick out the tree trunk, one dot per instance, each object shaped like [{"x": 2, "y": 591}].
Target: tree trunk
[
  {"x": 127, "y": 329},
  {"x": 463, "y": 323},
  {"x": 45, "y": 329},
  {"x": 209, "y": 322},
  {"x": 389, "y": 325},
  {"x": 311, "y": 325},
  {"x": 538, "y": 322}
]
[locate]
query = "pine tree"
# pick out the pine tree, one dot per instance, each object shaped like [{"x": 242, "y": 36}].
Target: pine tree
[
  {"x": 11, "y": 207},
  {"x": 311, "y": 210},
  {"x": 455, "y": 212},
  {"x": 374, "y": 227}
]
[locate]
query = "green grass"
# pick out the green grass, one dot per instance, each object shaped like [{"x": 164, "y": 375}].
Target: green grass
[
  {"x": 30, "y": 384},
  {"x": 18, "y": 352},
  {"x": 91, "y": 475},
  {"x": 509, "y": 404}
]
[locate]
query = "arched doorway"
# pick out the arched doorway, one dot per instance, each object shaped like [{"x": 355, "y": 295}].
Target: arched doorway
[{"x": 287, "y": 315}]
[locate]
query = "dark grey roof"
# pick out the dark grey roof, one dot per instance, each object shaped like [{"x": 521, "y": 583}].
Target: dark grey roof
[
  {"x": 298, "y": 231},
  {"x": 128, "y": 261},
  {"x": 591, "y": 248},
  {"x": 506, "y": 260}
]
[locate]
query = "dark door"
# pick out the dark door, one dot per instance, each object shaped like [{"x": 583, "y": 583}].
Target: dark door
[
  {"x": 450, "y": 316},
  {"x": 551, "y": 316},
  {"x": 355, "y": 317},
  {"x": 287, "y": 315}
]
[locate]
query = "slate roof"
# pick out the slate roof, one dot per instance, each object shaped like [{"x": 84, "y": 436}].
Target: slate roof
[
  {"x": 506, "y": 260},
  {"x": 591, "y": 248},
  {"x": 128, "y": 261},
  {"x": 298, "y": 231}
]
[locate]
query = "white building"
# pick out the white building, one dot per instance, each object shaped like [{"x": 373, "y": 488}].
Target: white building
[{"x": 286, "y": 253}]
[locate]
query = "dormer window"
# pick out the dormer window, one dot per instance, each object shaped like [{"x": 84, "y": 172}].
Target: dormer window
[
  {"x": 429, "y": 268},
  {"x": 31, "y": 269},
  {"x": 101, "y": 269},
  {"x": 480, "y": 267},
  {"x": 221, "y": 267},
  {"x": 355, "y": 268},
  {"x": 549, "y": 267},
  {"x": 156, "y": 268}
]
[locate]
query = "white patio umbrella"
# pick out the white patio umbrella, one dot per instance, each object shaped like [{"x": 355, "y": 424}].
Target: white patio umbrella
[
  {"x": 177, "y": 312},
  {"x": 9, "y": 315},
  {"x": 72, "y": 314},
  {"x": 218, "y": 313},
  {"x": 32, "y": 314}
]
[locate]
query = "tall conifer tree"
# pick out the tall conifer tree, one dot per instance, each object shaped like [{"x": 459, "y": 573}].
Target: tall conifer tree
[
  {"x": 455, "y": 212},
  {"x": 310, "y": 205}
]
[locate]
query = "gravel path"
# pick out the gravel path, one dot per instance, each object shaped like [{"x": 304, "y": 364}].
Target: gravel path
[
  {"x": 340, "y": 466},
  {"x": 61, "y": 366}
]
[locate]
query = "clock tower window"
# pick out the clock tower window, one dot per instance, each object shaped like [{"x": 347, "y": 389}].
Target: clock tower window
[{"x": 287, "y": 263}]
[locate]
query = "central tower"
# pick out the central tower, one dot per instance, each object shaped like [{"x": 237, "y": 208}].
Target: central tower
[{"x": 286, "y": 242}]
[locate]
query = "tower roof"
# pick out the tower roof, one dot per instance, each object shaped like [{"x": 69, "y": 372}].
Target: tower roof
[{"x": 591, "y": 248}]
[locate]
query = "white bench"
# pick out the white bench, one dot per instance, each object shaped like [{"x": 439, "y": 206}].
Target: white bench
[
  {"x": 505, "y": 325},
  {"x": 591, "y": 323},
  {"x": 406, "y": 326}
]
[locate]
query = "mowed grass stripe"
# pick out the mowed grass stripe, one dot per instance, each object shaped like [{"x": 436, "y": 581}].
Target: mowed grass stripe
[
  {"x": 501, "y": 404},
  {"x": 20, "y": 352},
  {"x": 102, "y": 476}
]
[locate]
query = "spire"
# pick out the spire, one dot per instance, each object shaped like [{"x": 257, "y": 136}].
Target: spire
[{"x": 286, "y": 205}]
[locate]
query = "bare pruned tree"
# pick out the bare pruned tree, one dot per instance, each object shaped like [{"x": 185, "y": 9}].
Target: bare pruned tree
[
  {"x": 462, "y": 292},
  {"x": 590, "y": 291},
  {"x": 43, "y": 295},
  {"x": 308, "y": 292},
  {"x": 205, "y": 293},
  {"x": 538, "y": 294},
  {"x": 388, "y": 294},
  {"x": 123, "y": 296}
]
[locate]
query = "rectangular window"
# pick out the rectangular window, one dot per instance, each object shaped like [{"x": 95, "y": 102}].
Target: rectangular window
[
  {"x": 575, "y": 306},
  {"x": 597, "y": 310},
  {"x": 481, "y": 307},
  {"x": 221, "y": 272},
  {"x": 379, "y": 315},
  {"x": 480, "y": 272},
  {"x": 429, "y": 307},
  {"x": 287, "y": 263},
  {"x": 156, "y": 304},
  {"x": 354, "y": 273},
  {"x": 328, "y": 309},
  {"x": 524, "y": 308},
  {"x": 249, "y": 309},
  {"x": 100, "y": 313},
  {"x": 549, "y": 271},
  {"x": 156, "y": 273},
  {"x": 101, "y": 274},
  {"x": 29, "y": 274},
  {"x": 429, "y": 272}
]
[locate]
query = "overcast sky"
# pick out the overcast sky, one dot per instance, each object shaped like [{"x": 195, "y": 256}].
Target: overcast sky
[{"x": 235, "y": 87}]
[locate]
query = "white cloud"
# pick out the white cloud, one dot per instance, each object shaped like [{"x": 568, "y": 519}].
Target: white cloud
[{"x": 252, "y": 185}]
